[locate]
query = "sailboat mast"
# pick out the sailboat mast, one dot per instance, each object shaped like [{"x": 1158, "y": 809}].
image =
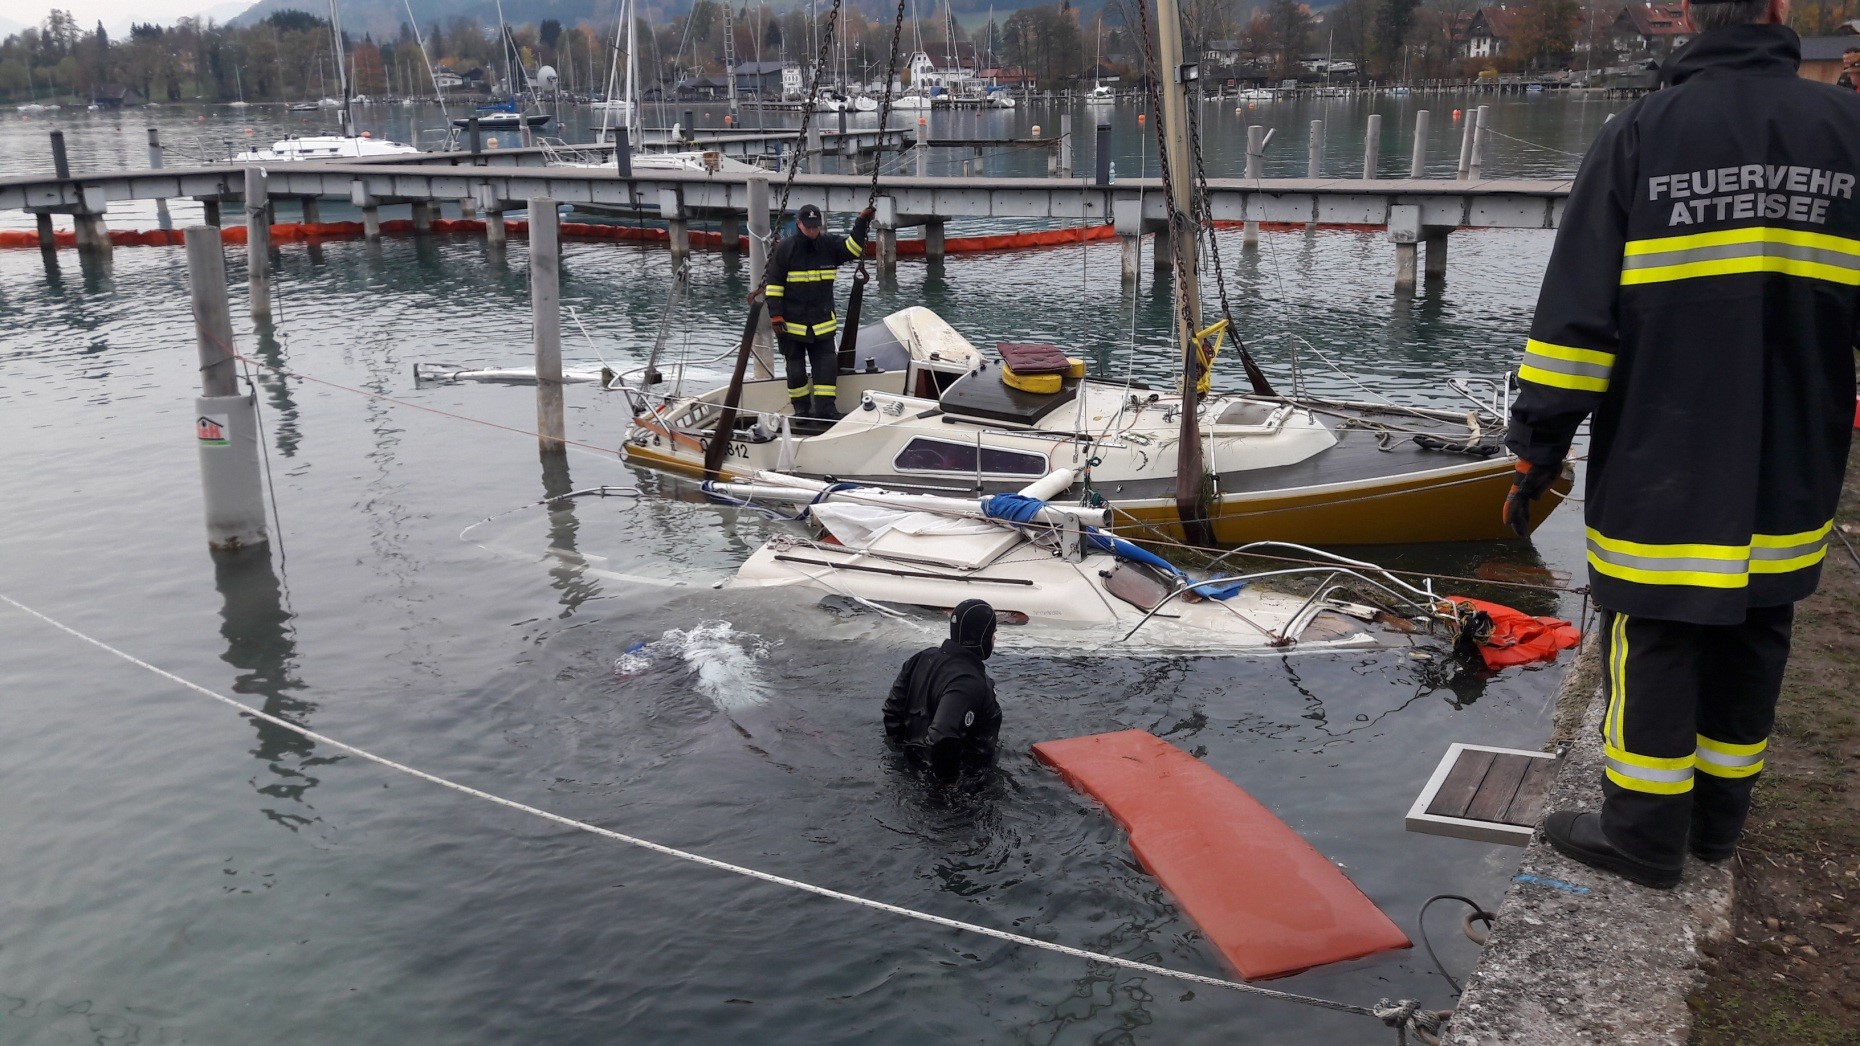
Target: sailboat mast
[
  {"x": 1175, "y": 82},
  {"x": 632, "y": 71},
  {"x": 342, "y": 74}
]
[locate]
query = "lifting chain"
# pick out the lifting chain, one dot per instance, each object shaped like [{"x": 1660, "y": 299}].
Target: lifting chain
[
  {"x": 807, "y": 117},
  {"x": 884, "y": 105}
]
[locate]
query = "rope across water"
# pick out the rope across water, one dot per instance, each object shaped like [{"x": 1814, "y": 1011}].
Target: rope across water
[{"x": 1401, "y": 1016}]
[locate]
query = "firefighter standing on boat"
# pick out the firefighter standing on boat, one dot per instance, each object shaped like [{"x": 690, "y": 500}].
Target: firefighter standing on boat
[
  {"x": 799, "y": 290},
  {"x": 1701, "y": 303}
]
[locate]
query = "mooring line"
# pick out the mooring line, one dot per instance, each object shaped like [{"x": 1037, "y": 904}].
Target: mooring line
[{"x": 1402, "y": 1016}]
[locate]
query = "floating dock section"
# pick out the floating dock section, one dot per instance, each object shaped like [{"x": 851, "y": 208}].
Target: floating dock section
[{"x": 1267, "y": 899}]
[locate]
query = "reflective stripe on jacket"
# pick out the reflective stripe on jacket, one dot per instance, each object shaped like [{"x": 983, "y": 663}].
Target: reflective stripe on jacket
[
  {"x": 1702, "y": 303},
  {"x": 800, "y": 278}
]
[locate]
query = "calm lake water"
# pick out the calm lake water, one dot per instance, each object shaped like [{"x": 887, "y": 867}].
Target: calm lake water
[{"x": 176, "y": 873}]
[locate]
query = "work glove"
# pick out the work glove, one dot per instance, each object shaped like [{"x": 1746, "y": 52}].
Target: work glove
[
  {"x": 776, "y": 322},
  {"x": 869, "y": 213},
  {"x": 1527, "y": 485}
]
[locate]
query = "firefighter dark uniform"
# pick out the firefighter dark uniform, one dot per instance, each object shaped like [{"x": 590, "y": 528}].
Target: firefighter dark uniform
[
  {"x": 1701, "y": 302},
  {"x": 799, "y": 290},
  {"x": 942, "y": 707}
]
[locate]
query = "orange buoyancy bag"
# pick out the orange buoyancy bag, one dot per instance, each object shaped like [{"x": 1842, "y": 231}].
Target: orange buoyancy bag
[{"x": 1508, "y": 637}]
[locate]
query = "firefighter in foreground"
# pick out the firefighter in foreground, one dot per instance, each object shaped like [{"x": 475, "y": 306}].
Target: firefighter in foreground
[
  {"x": 1701, "y": 303},
  {"x": 942, "y": 707},
  {"x": 799, "y": 289}
]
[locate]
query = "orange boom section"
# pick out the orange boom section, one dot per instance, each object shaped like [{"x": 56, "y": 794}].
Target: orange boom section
[{"x": 1269, "y": 901}]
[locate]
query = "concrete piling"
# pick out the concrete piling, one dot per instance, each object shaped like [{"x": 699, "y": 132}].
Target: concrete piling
[
  {"x": 1476, "y": 166},
  {"x": 730, "y": 230},
  {"x": 1314, "y": 163},
  {"x": 1372, "y": 146},
  {"x": 1405, "y": 234},
  {"x": 61, "y": 164},
  {"x": 371, "y": 223},
  {"x": 225, "y": 421},
  {"x": 162, "y": 217},
  {"x": 312, "y": 210},
  {"x": 1065, "y": 144},
  {"x": 210, "y": 211},
  {"x": 921, "y": 146},
  {"x": 677, "y": 224},
  {"x": 1466, "y": 141},
  {"x": 1436, "y": 256},
  {"x": 546, "y": 321},
  {"x": 423, "y": 218},
  {"x": 46, "y": 240},
  {"x": 887, "y": 235},
  {"x": 1255, "y": 167},
  {"x": 1418, "y": 166},
  {"x": 258, "y": 242},
  {"x": 934, "y": 238}
]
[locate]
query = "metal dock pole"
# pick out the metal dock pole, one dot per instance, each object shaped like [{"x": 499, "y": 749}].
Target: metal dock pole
[
  {"x": 225, "y": 422},
  {"x": 546, "y": 321}
]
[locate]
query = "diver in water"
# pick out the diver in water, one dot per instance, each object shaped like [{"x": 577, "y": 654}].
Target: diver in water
[{"x": 942, "y": 707}]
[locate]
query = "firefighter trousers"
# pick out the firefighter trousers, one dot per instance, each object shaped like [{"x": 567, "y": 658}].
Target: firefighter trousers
[
  {"x": 820, "y": 353},
  {"x": 1688, "y": 717}
]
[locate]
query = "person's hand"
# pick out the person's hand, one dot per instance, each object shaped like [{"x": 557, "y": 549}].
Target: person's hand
[
  {"x": 776, "y": 321},
  {"x": 754, "y": 294},
  {"x": 869, "y": 213},
  {"x": 1527, "y": 485}
]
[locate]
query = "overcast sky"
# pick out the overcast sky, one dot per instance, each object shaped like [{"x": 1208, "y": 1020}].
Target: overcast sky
[{"x": 117, "y": 14}]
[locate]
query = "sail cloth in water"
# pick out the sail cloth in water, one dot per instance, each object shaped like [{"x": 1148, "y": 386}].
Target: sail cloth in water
[
  {"x": 1269, "y": 901},
  {"x": 1019, "y": 508}
]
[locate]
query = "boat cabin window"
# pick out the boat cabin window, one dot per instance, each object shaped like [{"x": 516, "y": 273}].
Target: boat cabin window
[{"x": 924, "y": 454}]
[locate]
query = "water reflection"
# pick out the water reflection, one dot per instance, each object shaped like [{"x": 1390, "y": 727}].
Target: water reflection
[
  {"x": 262, "y": 646},
  {"x": 277, "y": 387},
  {"x": 567, "y": 575}
]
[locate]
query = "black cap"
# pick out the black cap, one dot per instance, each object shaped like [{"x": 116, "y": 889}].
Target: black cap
[
  {"x": 972, "y": 624},
  {"x": 808, "y": 215}
]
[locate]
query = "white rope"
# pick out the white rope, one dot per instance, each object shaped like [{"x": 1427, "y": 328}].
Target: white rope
[{"x": 1383, "y": 1011}]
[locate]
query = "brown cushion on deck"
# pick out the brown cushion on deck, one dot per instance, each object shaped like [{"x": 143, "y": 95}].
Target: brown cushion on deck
[{"x": 1032, "y": 359}]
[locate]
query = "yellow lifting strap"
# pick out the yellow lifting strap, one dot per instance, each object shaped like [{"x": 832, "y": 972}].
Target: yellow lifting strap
[{"x": 1208, "y": 344}]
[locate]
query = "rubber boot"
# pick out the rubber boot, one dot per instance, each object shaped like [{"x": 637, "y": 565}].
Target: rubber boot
[
  {"x": 803, "y": 406},
  {"x": 825, "y": 409}
]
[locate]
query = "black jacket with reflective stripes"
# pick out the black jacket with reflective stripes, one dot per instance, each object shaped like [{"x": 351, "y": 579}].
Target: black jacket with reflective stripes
[
  {"x": 942, "y": 707},
  {"x": 1702, "y": 302},
  {"x": 800, "y": 279}
]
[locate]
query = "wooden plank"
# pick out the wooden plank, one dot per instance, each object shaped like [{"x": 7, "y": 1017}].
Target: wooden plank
[
  {"x": 1527, "y": 807},
  {"x": 1462, "y": 783},
  {"x": 1500, "y": 784}
]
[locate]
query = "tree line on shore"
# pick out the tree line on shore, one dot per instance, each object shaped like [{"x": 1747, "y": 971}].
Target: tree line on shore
[{"x": 289, "y": 56}]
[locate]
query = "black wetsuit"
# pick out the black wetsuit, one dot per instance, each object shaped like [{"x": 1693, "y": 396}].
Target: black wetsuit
[{"x": 943, "y": 708}]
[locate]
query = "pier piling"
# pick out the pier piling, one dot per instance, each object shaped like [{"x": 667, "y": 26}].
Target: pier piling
[
  {"x": 1466, "y": 141},
  {"x": 1065, "y": 144},
  {"x": 210, "y": 212},
  {"x": 162, "y": 217},
  {"x": 1314, "y": 164},
  {"x": 1476, "y": 166},
  {"x": 1255, "y": 164},
  {"x": 546, "y": 321},
  {"x": 258, "y": 242},
  {"x": 759, "y": 263},
  {"x": 1101, "y": 160},
  {"x": 1436, "y": 256},
  {"x": 887, "y": 236},
  {"x": 312, "y": 210},
  {"x": 225, "y": 422},
  {"x": 46, "y": 240},
  {"x": 423, "y": 218},
  {"x": 1418, "y": 166},
  {"x": 730, "y": 230},
  {"x": 934, "y": 237},
  {"x": 1405, "y": 234},
  {"x": 677, "y": 224},
  {"x": 922, "y": 146},
  {"x": 1372, "y": 146}
]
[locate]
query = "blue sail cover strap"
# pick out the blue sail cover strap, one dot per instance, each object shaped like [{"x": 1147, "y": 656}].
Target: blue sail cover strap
[{"x": 1018, "y": 508}]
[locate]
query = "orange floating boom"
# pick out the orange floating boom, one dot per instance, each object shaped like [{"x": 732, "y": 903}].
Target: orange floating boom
[{"x": 1267, "y": 899}]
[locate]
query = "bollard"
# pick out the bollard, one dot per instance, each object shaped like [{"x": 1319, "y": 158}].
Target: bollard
[
  {"x": 1101, "y": 162},
  {"x": 225, "y": 422},
  {"x": 1418, "y": 166},
  {"x": 258, "y": 243},
  {"x": 623, "y": 152},
  {"x": 1476, "y": 166},
  {"x": 162, "y": 217},
  {"x": 1466, "y": 141},
  {"x": 546, "y": 321},
  {"x": 1255, "y": 166},
  {"x": 1372, "y": 146},
  {"x": 922, "y": 146},
  {"x": 60, "y": 164}
]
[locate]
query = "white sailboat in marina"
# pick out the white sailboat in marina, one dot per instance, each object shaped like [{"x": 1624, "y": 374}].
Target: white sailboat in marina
[{"x": 345, "y": 146}]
